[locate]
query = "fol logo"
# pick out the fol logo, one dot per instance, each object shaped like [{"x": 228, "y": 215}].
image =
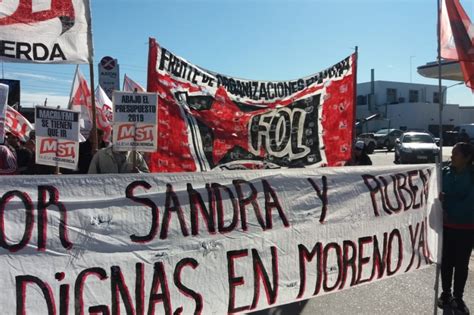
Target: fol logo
[
  {"x": 31, "y": 11},
  {"x": 280, "y": 133},
  {"x": 141, "y": 133},
  {"x": 62, "y": 149}
]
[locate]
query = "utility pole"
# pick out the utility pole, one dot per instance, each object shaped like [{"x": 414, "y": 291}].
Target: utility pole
[{"x": 411, "y": 57}]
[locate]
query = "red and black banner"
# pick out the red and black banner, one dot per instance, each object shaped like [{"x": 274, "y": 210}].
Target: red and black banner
[{"x": 207, "y": 120}]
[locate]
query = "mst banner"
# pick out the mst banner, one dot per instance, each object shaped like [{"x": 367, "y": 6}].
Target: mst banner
[
  {"x": 209, "y": 243},
  {"x": 208, "y": 120},
  {"x": 57, "y": 137},
  {"x": 45, "y": 31},
  {"x": 135, "y": 121}
]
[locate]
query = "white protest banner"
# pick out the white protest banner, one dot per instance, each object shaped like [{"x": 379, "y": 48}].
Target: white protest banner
[
  {"x": 3, "y": 110},
  {"x": 135, "y": 121},
  {"x": 210, "y": 243},
  {"x": 45, "y": 31},
  {"x": 17, "y": 124},
  {"x": 57, "y": 137}
]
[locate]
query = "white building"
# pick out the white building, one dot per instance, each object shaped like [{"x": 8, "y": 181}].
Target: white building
[{"x": 406, "y": 106}]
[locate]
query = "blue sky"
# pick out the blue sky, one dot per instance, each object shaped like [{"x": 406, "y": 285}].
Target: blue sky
[{"x": 255, "y": 39}]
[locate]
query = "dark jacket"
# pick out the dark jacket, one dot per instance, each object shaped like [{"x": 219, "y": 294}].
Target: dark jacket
[{"x": 458, "y": 199}]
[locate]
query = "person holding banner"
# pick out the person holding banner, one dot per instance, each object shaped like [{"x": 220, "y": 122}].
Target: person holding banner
[
  {"x": 109, "y": 161},
  {"x": 86, "y": 151},
  {"x": 457, "y": 198},
  {"x": 359, "y": 155}
]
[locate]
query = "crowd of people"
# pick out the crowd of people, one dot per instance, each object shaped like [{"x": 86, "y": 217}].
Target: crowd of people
[{"x": 18, "y": 158}]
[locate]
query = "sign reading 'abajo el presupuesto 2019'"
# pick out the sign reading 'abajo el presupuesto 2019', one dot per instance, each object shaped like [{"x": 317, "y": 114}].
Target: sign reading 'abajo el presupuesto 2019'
[{"x": 135, "y": 121}]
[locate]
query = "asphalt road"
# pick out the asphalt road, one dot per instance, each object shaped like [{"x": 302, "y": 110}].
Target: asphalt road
[{"x": 411, "y": 293}]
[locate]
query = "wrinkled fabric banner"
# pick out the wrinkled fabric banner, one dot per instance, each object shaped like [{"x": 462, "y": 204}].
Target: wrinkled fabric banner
[
  {"x": 54, "y": 31},
  {"x": 210, "y": 243},
  {"x": 211, "y": 121}
]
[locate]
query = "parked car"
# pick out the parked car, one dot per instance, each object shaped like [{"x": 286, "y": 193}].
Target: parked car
[
  {"x": 369, "y": 141},
  {"x": 416, "y": 147},
  {"x": 386, "y": 138},
  {"x": 436, "y": 139},
  {"x": 453, "y": 136}
]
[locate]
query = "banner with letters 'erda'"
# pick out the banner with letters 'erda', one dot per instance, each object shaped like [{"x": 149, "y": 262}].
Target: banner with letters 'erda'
[
  {"x": 210, "y": 242},
  {"x": 211, "y": 121},
  {"x": 46, "y": 31},
  {"x": 57, "y": 137}
]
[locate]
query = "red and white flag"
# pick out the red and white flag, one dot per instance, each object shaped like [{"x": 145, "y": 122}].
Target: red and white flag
[
  {"x": 81, "y": 101},
  {"x": 104, "y": 112},
  {"x": 17, "y": 124},
  {"x": 54, "y": 31},
  {"x": 131, "y": 86},
  {"x": 457, "y": 38}
]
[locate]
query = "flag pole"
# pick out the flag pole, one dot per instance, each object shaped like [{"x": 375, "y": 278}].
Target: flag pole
[
  {"x": 439, "y": 160},
  {"x": 91, "y": 72},
  {"x": 354, "y": 111},
  {"x": 72, "y": 88},
  {"x": 94, "y": 115}
]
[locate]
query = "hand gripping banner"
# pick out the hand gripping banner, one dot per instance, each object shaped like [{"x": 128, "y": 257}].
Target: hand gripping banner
[
  {"x": 49, "y": 31},
  {"x": 211, "y": 121},
  {"x": 210, "y": 243}
]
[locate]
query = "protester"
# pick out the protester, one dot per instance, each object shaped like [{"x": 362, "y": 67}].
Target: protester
[
  {"x": 7, "y": 160},
  {"x": 107, "y": 161},
  {"x": 86, "y": 153},
  {"x": 23, "y": 155},
  {"x": 457, "y": 198},
  {"x": 359, "y": 155},
  {"x": 31, "y": 142},
  {"x": 34, "y": 168}
]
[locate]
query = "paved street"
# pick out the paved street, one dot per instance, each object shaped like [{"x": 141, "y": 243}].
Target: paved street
[{"x": 411, "y": 293}]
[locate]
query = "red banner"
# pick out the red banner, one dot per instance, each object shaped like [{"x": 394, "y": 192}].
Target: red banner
[
  {"x": 208, "y": 120},
  {"x": 457, "y": 40}
]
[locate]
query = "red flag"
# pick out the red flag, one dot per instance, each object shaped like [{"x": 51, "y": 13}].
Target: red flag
[
  {"x": 17, "y": 124},
  {"x": 81, "y": 101},
  {"x": 104, "y": 112},
  {"x": 457, "y": 38},
  {"x": 208, "y": 120}
]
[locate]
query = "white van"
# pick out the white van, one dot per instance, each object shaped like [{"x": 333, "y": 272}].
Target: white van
[{"x": 469, "y": 128}]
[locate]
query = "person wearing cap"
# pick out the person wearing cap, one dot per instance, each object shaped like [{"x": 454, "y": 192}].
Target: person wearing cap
[{"x": 359, "y": 155}]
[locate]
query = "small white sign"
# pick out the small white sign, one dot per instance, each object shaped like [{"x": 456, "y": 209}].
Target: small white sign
[
  {"x": 109, "y": 75},
  {"x": 57, "y": 137}
]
